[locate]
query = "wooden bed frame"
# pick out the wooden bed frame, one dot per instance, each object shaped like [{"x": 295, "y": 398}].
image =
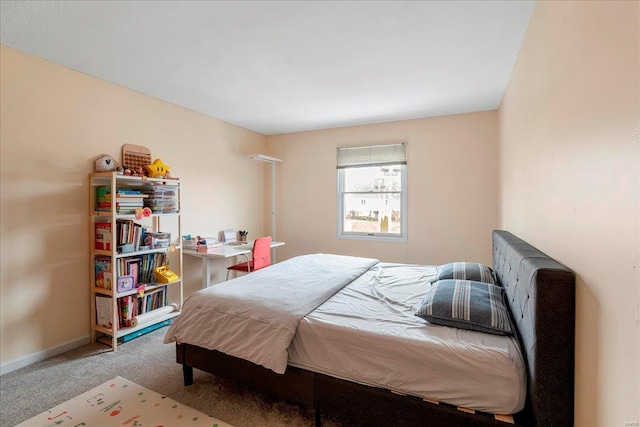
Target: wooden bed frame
[{"x": 541, "y": 296}]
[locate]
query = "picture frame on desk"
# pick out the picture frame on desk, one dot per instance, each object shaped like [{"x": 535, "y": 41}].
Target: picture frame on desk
[{"x": 229, "y": 236}]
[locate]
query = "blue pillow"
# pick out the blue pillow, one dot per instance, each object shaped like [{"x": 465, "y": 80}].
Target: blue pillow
[
  {"x": 465, "y": 271},
  {"x": 467, "y": 304}
]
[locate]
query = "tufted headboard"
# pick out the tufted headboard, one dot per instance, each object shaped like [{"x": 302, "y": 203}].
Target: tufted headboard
[{"x": 541, "y": 295}]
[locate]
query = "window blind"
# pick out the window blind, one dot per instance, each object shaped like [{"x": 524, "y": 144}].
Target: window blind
[{"x": 377, "y": 155}]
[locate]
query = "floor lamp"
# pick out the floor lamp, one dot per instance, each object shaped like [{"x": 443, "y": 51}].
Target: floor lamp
[{"x": 273, "y": 161}]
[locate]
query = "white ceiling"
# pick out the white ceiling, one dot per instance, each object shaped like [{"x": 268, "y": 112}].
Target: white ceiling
[{"x": 278, "y": 67}]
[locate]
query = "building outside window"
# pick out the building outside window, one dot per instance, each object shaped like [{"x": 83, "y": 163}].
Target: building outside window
[{"x": 372, "y": 192}]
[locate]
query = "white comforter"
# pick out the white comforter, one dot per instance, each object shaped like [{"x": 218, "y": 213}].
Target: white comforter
[{"x": 255, "y": 317}]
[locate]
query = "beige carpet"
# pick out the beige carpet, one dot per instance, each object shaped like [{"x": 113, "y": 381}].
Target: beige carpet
[
  {"x": 119, "y": 402},
  {"x": 150, "y": 363}
]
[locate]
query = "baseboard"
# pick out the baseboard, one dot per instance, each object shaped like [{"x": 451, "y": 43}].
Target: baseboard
[{"x": 30, "y": 359}]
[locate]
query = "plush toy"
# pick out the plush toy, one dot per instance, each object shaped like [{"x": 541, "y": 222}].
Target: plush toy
[{"x": 157, "y": 169}]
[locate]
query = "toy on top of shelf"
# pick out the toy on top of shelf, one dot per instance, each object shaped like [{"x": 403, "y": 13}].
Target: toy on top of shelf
[
  {"x": 106, "y": 163},
  {"x": 135, "y": 157},
  {"x": 157, "y": 169}
]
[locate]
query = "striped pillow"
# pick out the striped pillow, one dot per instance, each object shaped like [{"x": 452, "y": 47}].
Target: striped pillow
[
  {"x": 466, "y": 304},
  {"x": 465, "y": 271}
]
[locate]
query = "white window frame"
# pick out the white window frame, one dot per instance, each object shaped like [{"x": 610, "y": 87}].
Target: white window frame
[{"x": 385, "y": 237}]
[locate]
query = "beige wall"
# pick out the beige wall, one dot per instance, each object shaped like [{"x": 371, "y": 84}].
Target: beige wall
[
  {"x": 452, "y": 182},
  {"x": 569, "y": 173},
  {"x": 54, "y": 123}
]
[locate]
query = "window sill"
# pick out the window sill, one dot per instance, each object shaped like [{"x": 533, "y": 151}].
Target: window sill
[{"x": 374, "y": 238}]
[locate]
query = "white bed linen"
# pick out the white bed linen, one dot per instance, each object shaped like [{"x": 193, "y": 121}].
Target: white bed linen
[
  {"x": 255, "y": 316},
  {"x": 368, "y": 333}
]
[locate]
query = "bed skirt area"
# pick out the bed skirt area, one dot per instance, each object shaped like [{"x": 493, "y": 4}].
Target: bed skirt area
[{"x": 360, "y": 404}]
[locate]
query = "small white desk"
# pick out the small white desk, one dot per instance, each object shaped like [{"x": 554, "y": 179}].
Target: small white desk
[{"x": 225, "y": 251}]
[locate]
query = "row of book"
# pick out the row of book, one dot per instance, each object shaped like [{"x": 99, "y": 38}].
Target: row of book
[
  {"x": 127, "y": 199},
  {"x": 128, "y": 232},
  {"x": 128, "y": 307},
  {"x": 132, "y": 306},
  {"x": 141, "y": 267}
]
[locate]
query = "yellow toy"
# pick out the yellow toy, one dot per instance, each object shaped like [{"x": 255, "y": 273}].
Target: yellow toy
[
  {"x": 164, "y": 275},
  {"x": 157, "y": 169}
]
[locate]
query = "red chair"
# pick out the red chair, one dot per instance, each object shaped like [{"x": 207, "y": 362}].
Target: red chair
[{"x": 260, "y": 257}]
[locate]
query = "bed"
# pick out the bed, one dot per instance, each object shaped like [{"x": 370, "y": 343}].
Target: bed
[{"x": 386, "y": 374}]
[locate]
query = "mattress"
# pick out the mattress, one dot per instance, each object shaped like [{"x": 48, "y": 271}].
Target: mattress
[{"x": 368, "y": 333}]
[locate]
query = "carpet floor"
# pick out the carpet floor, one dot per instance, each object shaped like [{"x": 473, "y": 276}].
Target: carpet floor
[{"x": 148, "y": 362}]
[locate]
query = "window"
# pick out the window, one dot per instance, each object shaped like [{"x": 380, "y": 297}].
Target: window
[{"x": 372, "y": 193}]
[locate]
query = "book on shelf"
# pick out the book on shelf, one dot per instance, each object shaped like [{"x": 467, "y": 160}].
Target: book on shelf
[
  {"x": 103, "y": 272},
  {"x": 152, "y": 300},
  {"x": 131, "y": 196},
  {"x": 129, "y": 192},
  {"x": 127, "y": 310},
  {"x": 121, "y": 208},
  {"x": 126, "y": 199},
  {"x": 120, "y": 204},
  {"x": 133, "y": 269},
  {"x": 103, "y": 236},
  {"x": 129, "y": 232},
  {"x": 104, "y": 313},
  {"x": 103, "y": 192}
]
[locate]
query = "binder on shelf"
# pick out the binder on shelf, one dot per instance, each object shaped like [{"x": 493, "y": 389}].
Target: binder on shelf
[{"x": 103, "y": 236}]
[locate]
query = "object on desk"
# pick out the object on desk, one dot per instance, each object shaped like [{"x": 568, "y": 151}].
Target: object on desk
[
  {"x": 207, "y": 248},
  {"x": 203, "y": 240},
  {"x": 242, "y": 235},
  {"x": 229, "y": 235},
  {"x": 260, "y": 258},
  {"x": 164, "y": 275},
  {"x": 189, "y": 242},
  {"x": 204, "y": 244}
]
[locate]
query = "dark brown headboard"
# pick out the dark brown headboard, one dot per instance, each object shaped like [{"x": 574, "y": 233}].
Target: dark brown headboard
[{"x": 541, "y": 295}]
